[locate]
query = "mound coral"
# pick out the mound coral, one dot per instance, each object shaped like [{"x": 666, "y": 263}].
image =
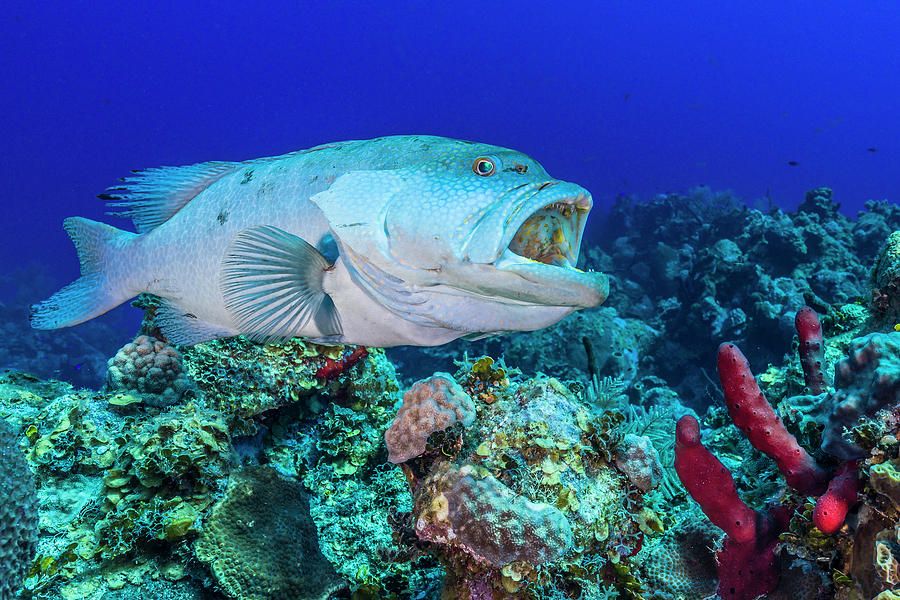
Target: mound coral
[
  {"x": 430, "y": 405},
  {"x": 18, "y": 515},
  {"x": 865, "y": 382},
  {"x": 526, "y": 502},
  {"x": 260, "y": 542},
  {"x": 150, "y": 369},
  {"x": 680, "y": 564},
  {"x": 489, "y": 521}
]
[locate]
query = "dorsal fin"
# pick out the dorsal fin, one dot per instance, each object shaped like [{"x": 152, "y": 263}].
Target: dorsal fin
[{"x": 150, "y": 197}]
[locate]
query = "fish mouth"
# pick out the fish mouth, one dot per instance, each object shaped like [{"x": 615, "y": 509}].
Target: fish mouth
[
  {"x": 542, "y": 246},
  {"x": 552, "y": 234}
]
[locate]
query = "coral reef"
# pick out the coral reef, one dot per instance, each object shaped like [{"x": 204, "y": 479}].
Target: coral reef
[
  {"x": 430, "y": 405},
  {"x": 261, "y": 543},
  {"x": 18, "y": 515},
  {"x": 290, "y": 469},
  {"x": 150, "y": 369}
]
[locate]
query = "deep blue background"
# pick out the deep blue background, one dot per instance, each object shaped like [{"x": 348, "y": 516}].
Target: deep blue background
[{"x": 621, "y": 97}]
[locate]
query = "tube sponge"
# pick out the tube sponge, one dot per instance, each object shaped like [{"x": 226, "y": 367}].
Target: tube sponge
[
  {"x": 753, "y": 415},
  {"x": 710, "y": 484}
]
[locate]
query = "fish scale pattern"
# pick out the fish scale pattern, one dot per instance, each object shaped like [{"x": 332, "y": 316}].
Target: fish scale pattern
[{"x": 18, "y": 515}]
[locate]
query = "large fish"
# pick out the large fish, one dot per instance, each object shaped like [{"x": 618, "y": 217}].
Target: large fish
[{"x": 398, "y": 240}]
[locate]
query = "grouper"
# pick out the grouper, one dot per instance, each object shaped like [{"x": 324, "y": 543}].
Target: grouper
[{"x": 414, "y": 240}]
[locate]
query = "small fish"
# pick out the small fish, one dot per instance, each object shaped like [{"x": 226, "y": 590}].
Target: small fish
[
  {"x": 871, "y": 149},
  {"x": 792, "y": 163},
  {"x": 413, "y": 240}
]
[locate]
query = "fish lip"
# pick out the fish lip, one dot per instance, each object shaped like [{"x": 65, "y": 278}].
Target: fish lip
[{"x": 543, "y": 196}]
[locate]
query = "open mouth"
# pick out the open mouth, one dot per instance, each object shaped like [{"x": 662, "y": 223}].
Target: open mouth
[
  {"x": 537, "y": 260},
  {"x": 552, "y": 234}
]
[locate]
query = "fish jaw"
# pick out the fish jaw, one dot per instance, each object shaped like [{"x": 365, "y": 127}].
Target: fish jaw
[{"x": 539, "y": 242}]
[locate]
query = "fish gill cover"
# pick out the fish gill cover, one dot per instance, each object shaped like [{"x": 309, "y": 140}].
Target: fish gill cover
[{"x": 451, "y": 380}]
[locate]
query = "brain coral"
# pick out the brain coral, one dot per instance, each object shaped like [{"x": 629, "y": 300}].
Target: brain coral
[
  {"x": 150, "y": 369},
  {"x": 490, "y": 521},
  {"x": 681, "y": 564},
  {"x": 261, "y": 544},
  {"x": 430, "y": 405},
  {"x": 18, "y": 515},
  {"x": 866, "y": 381}
]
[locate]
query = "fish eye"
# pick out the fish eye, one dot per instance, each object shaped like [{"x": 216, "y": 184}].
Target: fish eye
[{"x": 484, "y": 166}]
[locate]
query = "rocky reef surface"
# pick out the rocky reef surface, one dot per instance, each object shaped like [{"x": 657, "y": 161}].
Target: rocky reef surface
[{"x": 536, "y": 466}]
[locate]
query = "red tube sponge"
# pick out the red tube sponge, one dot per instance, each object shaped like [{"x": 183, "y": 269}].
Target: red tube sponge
[
  {"x": 710, "y": 484},
  {"x": 812, "y": 349},
  {"x": 832, "y": 506},
  {"x": 749, "y": 570},
  {"x": 753, "y": 415}
]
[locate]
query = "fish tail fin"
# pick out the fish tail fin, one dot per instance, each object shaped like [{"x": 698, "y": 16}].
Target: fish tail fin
[{"x": 99, "y": 289}]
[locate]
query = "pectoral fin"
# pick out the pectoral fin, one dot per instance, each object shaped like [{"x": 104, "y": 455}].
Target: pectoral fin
[{"x": 272, "y": 283}]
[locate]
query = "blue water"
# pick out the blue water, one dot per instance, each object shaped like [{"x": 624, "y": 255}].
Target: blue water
[{"x": 623, "y": 98}]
